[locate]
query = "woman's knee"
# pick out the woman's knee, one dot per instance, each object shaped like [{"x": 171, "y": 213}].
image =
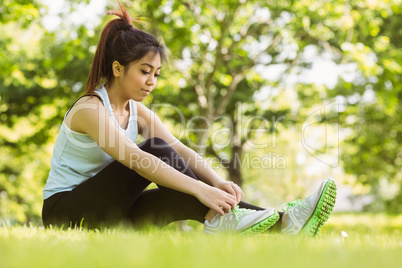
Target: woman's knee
[
  {"x": 154, "y": 143},
  {"x": 161, "y": 149}
]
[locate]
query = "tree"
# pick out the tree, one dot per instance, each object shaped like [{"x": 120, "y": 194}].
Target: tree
[
  {"x": 40, "y": 74},
  {"x": 372, "y": 97},
  {"x": 223, "y": 54},
  {"x": 220, "y": 48}
]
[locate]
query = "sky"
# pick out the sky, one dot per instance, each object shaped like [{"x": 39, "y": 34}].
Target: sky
[{"x": 89, "y": 15}]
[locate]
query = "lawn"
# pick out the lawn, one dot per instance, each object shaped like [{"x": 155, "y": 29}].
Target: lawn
[{"x": 368, "y": 241}]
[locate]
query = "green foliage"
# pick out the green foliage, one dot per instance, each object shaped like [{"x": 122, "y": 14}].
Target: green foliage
[
  {"x": 217, "y": 51},
  {"x": 218, "y": 48},
  {"x": 41, "y": 73},
  {"x": 21, "y": 11},
  {"x": 373, "y": 151}
]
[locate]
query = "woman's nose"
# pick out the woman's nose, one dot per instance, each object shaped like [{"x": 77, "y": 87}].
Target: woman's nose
[{"x": 151, "y": 81}]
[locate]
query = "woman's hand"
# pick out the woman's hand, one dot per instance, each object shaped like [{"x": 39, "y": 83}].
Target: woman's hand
[
  {"x": 216, "y": 199},
  {"x": 231, "y": 188}
]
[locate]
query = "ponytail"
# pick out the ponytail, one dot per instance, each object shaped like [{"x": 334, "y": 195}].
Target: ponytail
[{"x": 120, "y": 41}]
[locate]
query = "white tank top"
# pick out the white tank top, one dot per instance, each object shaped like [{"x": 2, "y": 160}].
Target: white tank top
[{"x": 76, "y": 157}]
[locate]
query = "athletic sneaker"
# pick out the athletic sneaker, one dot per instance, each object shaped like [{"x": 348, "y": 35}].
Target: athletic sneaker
[
  {"x": 307, "y": 216},
  {"x": 242, "y": 220}
]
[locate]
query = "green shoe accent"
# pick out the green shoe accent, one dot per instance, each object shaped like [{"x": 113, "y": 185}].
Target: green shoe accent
[
  {"x": 263, "y": 225},
  {"x": 323, "y": 210}
]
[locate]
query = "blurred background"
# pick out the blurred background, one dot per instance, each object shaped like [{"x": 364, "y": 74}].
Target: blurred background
[{"x": 277, "y": 95}]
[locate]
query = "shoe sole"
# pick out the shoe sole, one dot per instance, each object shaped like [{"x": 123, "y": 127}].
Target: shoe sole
[
  {"x": 263, "y": 225},
  {"x": 322, "y": 211}
]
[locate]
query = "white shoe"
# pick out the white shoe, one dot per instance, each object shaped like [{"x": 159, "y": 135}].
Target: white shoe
[
  {"x": 242, "y": 220},
  {"x": 307, "y": 216}
]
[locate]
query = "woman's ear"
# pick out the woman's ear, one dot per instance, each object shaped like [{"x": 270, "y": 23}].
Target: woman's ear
[{"x": 118, "y": 69}]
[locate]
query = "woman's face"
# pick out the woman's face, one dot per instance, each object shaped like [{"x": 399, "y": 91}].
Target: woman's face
[{"x": 140, "y": 79}]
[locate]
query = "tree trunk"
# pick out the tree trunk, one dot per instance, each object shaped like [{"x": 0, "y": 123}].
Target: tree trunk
[{"x": 234, "y": 168}]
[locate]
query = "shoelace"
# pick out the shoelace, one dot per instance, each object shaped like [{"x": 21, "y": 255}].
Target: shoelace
[
  {"x": 240, "y": 211},
  {"x": 292, "y": 204}
]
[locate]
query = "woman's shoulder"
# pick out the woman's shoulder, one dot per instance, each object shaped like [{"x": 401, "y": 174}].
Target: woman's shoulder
[
  {"x": 142, "y": 109},
  {"x": 85, "y": 104}
]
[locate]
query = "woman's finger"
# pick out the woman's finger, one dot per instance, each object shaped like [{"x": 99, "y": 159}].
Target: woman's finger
[
  {"x": 237, "y": 192},
  {"x": 232, "y": 201},
  {"x": 226, "y": 207},
  {"x": 232, "y": 198},
  {"x": 219, "y": 210},
  {"x": 230, "y": 190},
  {"x": 240, "y": 191}
]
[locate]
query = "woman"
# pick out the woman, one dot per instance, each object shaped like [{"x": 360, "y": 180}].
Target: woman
[{"x": 98, "y": 174}]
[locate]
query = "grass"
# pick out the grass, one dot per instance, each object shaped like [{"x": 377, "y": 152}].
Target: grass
[{"x": 372, "y": 241}]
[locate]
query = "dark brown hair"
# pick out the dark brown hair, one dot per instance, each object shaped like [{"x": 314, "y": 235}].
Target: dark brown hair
[{"x": 120, "y": 41}]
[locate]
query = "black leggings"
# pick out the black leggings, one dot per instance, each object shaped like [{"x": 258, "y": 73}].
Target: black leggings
[{"x": 116, "y": 195}]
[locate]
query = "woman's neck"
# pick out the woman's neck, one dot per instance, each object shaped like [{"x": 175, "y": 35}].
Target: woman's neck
[{"x": 119, "y": 103}]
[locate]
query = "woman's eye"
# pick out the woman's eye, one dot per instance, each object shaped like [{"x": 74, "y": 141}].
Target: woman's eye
[{"x": 144, "y": 72}]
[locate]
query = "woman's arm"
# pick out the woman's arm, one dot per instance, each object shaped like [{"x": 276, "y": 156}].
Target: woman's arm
[
  {"x": 97, "y": 123},
  {"x": 152, "y": 126}
]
